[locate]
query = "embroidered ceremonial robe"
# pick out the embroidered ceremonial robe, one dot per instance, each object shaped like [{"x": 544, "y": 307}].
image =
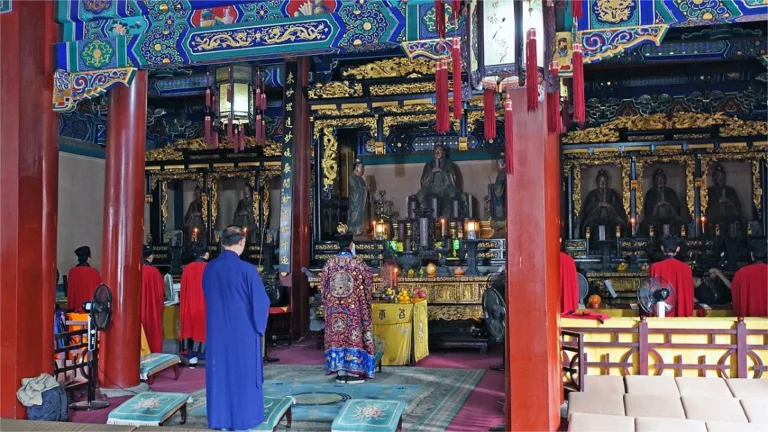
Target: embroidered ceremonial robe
[
  {"x": 346, "y": 284},
  {"x": 236, "y": 307},
  {"x": 152, "y": 304},
  {"x": 192, "y": 303},
  {"x": 569, "y": 280},
  {"x": 750, "y": 291},
  {"x": 678, "y": 274},
  {"x": 82, "y": 281}
]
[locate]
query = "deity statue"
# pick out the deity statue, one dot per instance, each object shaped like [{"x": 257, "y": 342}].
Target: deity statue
[
  {"x": 498, "y": 194},
  {"x": 661, "y": 207},
  {"x": 723, "y": 204},
  {"x": 358, "y": 199},
  {"x": 602, "y": 207},
  {"x": 194, "y": 225},
  {"x": 244, "y": 213},
  {"x": 440, "y": 179}
]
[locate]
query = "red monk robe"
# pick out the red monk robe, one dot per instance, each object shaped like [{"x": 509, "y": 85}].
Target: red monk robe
[
  {"x": 82, "y": 281},
  {"x": 678, "y": 274},
  {"x": 569, "y": 281},
  {"x": 750, "y": 291},
  {"x": 152, "y": 304},
  {"x": 192, "y": 303}
]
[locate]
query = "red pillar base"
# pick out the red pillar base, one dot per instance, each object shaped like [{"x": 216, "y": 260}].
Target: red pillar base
[
  {"x": 533, "y": 377},
  {"x": 122, "y": 238}
]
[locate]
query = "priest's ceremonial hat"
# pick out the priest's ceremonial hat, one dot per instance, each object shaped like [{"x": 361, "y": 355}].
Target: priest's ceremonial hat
[
  {"x": 147, "y": 252},
  {"x": 83, "y": 253},
  {"x": 198, "y": 249}
]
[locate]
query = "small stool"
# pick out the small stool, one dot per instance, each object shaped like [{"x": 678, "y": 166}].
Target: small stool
[
  {"x": 363, "y": 415},
  {"x": 275, "y": 410},
  {"x": 149, "y": 409},
  {"x": 155, "y": 363}
]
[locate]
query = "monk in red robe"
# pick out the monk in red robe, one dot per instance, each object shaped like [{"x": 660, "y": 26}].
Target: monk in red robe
[
  {"x": 569, "y": 281},
  {"x": 677, "y": 273},
  {"x": 82, "y": 280},
  {"x": 192, "y": 332},
  {"x": 750, "y": 284},
  {"x": 152, "y": 302}
]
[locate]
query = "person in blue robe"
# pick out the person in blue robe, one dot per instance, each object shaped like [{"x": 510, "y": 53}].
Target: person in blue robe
[{"x": 237, "y": 307}]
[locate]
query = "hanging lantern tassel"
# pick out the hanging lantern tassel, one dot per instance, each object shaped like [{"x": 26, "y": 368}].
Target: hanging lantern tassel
[
  {"x": 230, "y": 136},
  {"x": 532, "y": 72},
  {"x": 257, "y": 128},
  {"x": 264, "y": 129},
  {"x": 577, "y": 8},
  {"x": 456, "y": 59},
  {"x": 241, "y": 140},
  {"x": 215, "y": 138},
  {"x": 489, "y": 109},
  {"x": 440, "y": 18},
  {"x": 508, "y": 136},
  {"x": 554, "y": 122},
  {"x": 456, "y": 9},
  {"x": 441, "y": 97},
  {"x": 579, "y": 110},
  {"x": 208, "y": 130}
]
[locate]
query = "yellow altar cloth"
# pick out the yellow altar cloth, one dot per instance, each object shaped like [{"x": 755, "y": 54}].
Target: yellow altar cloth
[
  {"x": 673, "y": 351},
  {"x": 403, "y": 329}
]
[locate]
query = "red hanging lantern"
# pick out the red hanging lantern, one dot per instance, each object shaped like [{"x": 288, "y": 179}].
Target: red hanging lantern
[
  {"x": 532, "y": 71},
  {"x": 554, "y": 124},
  {"x": 440, "y": 18},
  {"x": 579, "y": 110},
  {"x": 577, "y": 8},
  {"x": 509, "y": 135},
  {"x": 456, "y": 59},
  {"x": 489, "y": 108}
]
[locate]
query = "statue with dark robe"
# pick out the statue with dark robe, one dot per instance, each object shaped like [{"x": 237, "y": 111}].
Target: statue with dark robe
[
  {"x": 244, "y": 213},
  {"x": 723, "y": 204},
  {"x": 498, "y": 194},
  {"x": 194, "y": 225},
  {"x": 602, "y": 207},
  {"x": 358, "y": 199},
  {"x": 661, "y": 207},
  {"x": 440, "y": 179}
]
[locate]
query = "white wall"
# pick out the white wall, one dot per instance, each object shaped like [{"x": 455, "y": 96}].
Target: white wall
[{"x": 81, "y": 208}]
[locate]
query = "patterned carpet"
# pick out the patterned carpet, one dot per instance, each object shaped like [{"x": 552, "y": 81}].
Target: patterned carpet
[{"x": 433, "y": 395}]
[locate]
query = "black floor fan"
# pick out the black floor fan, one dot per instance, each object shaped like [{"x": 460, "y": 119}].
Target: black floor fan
[
  {"x": 99, "y": 316},
  {"x": 495, "y": 313}
]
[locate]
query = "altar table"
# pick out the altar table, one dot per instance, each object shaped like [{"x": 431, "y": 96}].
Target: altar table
[{"x": 402, "y": 327}]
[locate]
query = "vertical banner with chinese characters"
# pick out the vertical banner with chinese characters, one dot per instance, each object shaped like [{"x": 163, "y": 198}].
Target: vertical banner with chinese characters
[{"x": 286, "y": 167}]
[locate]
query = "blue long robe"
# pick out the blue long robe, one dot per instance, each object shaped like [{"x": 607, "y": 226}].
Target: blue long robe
[{"x": 237, "y": 307}]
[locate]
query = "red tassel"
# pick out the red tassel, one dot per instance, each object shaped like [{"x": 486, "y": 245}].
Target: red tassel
[
  {"x": 440, "y": 18},
  {"x": 442, "y": 123},
  {"x": 456, "y": 59},
  {"x": 215, "y": 138},
  {"x": 208, "y": 130},
  {"x": 532, "y": 72},
  {"x": 579, "y": 110},
  {"x": 230, "y": 136},
  {"x": 242, "y": 138},
  {"x": 208, "y": 100},
  {"x": 553, "y": 102},
  {"x": 263, "y": 129},
  {"x": 263, "y": 102},
  {"x": 214, "y": 109},
  {"x": 257, "y": 128},
  {"x": 508, "y": 136},
  {"x": 257, "y": 98},
  {"x": 489, "y": 110},
  {"x": 577, "y": 8},
  {"x": 229, "y": 88},
  {"x": 456, "y": 9}
]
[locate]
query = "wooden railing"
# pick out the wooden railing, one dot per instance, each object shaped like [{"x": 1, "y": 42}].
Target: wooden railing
[
  {"x": 642, "y": 350},
  {"x": 71, "y": 357},
  {"x": 572, "y": 350}
]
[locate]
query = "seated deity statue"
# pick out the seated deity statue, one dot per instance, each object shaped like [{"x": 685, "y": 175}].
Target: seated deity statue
[
  {"x": 358, "y": 199},
  {"x": 497, "y": 191},
  {"x": 723, "y": 204},
  {"x": 194, "y": 225},
  {"x": 440, "y": 179},
  {"x": 661, "y": 208},
  {"x": 602, "y": 207},
  {"x": 244, "y": 213}
]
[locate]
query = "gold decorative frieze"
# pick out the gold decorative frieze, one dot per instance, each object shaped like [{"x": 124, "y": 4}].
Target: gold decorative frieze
[
  {"x": 412, "y": 108},
  {"x": 390, "y": 121},
  {"x": 455, "y": 313},
  {"x": 397, "y": 67},
  {"x": 174, "y": 150},
  {"x": 404, "y": 88},
  {"x": 609, "y": 132},
  {"x": 335, "y": 89},
  {"x": 361, "y": 122},
  {"x": 344, "y": 112}
]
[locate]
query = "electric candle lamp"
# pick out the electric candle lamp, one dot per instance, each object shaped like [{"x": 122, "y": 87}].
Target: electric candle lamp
[
  {"x": 632, "y": 226},
  {"x": 703, "y": 224}
]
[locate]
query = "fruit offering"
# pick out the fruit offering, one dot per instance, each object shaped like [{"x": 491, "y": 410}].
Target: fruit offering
[
  {"x": 622, "y": 267},
  {"x": 419, "y": 293},
  {"x": 389, "y": 295},
  {"x": 411, "y": 273},
  {"x": 403, "y": 296}
]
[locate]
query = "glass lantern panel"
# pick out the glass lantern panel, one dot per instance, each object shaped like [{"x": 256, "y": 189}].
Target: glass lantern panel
[
  {"x": 222, "y": 74},
  {"x": 534, "y": 19},
  {"x": 498, "y": 32}
]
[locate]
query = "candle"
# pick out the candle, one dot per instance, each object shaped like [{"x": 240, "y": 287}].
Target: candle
[
  {"x": 682, "y": 231},
  {"x": 443, "y": 231},
  {"x": 394, "y": 278},
  {"x": 717, "y": 229},
  {"x": 194, "y": 235},
  {"x": 618, "y": 231},
  {"x": 651, "y": 230},
  {"x": 632, "y": 225},
  {"x": 703, "y": 224}
]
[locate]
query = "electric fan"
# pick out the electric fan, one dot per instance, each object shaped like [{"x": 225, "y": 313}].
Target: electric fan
[
  {"x": 656, "y": 296},
  {"x": 583, "y": 289},
  {"x": 99, "y": 315}
]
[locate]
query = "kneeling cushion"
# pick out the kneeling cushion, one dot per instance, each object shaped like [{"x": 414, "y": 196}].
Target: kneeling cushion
[
  {"x": 274, "y": 410},
  {"x": 362, "y": 415},
  {"x": 147, "y": 409},
  {"x": 156, "y": 362}
]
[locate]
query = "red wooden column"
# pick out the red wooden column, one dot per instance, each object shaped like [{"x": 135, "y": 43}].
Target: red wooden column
[
  {"x": 301, "y": 217},
  {"x": 533, "y": 378},
  {"x": 122, "y": 230},
  {"x": 28, "y": 127}
]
